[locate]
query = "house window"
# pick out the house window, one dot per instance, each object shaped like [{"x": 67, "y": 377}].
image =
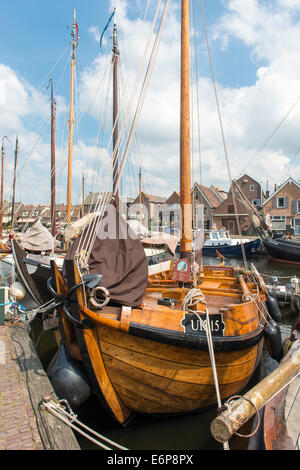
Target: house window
[
  {"x": 230, "y": 209},
  {"x": 281, "y": 202},
  {"x": 252, "y": 187},
  {"x": 298, "y": 206},
  {"x": 24, "y": 214},
  {"x": 278, "y": 222}
]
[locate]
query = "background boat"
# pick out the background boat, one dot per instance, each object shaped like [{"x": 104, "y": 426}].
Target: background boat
[
  {"x": 281, "y": 250},
  {"x": 220, "y": 240}
]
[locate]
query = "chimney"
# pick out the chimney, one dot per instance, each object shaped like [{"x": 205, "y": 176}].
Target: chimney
[
  {"x": 275, "y": 187},
  {"x": 267, "y": 194}
]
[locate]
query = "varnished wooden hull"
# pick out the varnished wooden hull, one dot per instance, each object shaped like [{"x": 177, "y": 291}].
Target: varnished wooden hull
[{"x": 152, "y": 377}]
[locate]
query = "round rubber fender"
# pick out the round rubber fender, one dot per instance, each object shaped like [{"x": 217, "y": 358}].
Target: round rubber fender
[
  {"x": 273, "y": 339},
  {"x": 273, "y": 308},
  {"x": 68, "y": 378}
]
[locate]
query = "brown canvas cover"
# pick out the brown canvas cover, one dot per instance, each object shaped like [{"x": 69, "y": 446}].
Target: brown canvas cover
[{"x": 119, "y": 256}]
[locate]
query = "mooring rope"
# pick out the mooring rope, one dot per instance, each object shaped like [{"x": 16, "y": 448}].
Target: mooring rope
[
  {"x": 69, "y": 418},
  {"x": 193, "y": 297}
]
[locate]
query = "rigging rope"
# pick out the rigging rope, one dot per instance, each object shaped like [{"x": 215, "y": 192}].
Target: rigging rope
[
  {"x": 222, "y": 133},
  {"x": 83, "y": 255},
  {"x": 192, "y": 298}
]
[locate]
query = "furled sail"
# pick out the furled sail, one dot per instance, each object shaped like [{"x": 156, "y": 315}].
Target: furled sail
[
  {"x": 37, "y": 238},
  {"x": 118, "y": 255}
]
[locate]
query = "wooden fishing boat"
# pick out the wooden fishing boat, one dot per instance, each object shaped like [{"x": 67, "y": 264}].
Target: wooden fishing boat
[{"x": 164, "y": 343}]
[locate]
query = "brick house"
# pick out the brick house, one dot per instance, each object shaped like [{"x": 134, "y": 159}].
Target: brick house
[
  {"x": 210, "y": 198},
  {"x": 283, "y": 207},
  {"x": 225, "y": 217},
  {"x": 152, "y": 209}
]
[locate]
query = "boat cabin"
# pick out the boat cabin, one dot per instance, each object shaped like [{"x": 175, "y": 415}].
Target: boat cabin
[{"x": 217, "y": 237}]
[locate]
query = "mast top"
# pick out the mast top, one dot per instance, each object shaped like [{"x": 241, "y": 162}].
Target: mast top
[
  {"x": 74, "y": 35},
  {"x": 115, "y": 48}
]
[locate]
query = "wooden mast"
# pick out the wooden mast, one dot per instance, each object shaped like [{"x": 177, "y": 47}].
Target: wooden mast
[
  {"x": 115, "y": 59},
  {"x": 140, "y": 192},
  {"x": 2, "y": 180},
  {"x": 71, "y": 119},
  {"x": 82, "y": 207},
  {"x": 185, "y": 165},
  {"x": 14, "y": 183},
  {"x": 53, "y": 184}
]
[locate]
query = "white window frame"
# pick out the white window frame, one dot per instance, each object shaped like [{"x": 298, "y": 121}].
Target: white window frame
[
  {"x": 298, "y": 206},
  {"x": 252, "y": 187},
  {"x": 277, "y": 202}
]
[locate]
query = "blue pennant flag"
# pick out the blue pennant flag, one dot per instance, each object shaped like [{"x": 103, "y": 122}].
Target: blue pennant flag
[{"x": 107, "y": 25}]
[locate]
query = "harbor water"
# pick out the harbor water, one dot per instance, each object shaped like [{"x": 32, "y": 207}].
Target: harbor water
[{"x": 178, "y": 432}]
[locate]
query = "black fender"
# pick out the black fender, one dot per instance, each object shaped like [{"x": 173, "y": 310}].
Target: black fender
[
  {"x": 272, "y": 335},
  {"x": 273, "y": 307}
]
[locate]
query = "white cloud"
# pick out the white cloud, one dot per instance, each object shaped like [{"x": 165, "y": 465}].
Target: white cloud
[{"x": 270, "y": 30}]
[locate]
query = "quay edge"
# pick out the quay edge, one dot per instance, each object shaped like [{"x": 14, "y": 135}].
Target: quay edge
[{"x": 23, "y": 383}]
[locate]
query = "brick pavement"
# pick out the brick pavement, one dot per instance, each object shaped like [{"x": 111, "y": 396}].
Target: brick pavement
[{"x": 18, "y": 428}]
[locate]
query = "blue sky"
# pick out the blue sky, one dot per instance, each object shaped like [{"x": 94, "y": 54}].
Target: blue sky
[{"x": 255, "y": 52}]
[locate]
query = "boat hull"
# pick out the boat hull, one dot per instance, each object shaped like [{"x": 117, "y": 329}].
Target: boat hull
[
  {"x": 283, "y": 251},
  {"x": 251, "y": 248},
  {"x": 157, "y": 378}
]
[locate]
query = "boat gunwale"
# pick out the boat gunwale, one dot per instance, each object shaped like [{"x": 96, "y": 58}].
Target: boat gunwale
[{"x": 196, "y": 341}]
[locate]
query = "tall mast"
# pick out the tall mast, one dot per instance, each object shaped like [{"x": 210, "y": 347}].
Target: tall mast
[
  {"x": 115, "y": 59},
  {"x": 185, "y": 165},
  {"x": 53, "y": 186},
  {"x": 71, "y": 117},
  {"x": 2, "y": 172},
  {"x": 140, "y": 192},
  {"x": 82, "y": 210},
  {"x": 14, "y": 183}
]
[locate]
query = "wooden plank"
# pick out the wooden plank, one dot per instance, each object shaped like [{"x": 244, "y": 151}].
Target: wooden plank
[
  {"x": 55, "y": 434},
  {"x": 166, "y": 368},
  {"x": 175, "y": 353},
  {"x": 91, "y": 353}
]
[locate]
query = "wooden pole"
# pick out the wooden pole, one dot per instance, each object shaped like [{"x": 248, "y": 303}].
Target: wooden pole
[
  {"x": 2, "y": 181},
  {"x": 185, "y": 164},
  {"x": 14, "y": 183},
  {"x": 71, "y": 123},
  {"x": 115, "y": 58},
  {"x": 82, "y": 210},
  {"x": 241, "y": 410},
  {"x": 140, "y": 192},
  {"x": 53, "y": 183}
]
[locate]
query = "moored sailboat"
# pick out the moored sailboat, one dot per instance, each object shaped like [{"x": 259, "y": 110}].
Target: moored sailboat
[{"x": 168, "y": 343}]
